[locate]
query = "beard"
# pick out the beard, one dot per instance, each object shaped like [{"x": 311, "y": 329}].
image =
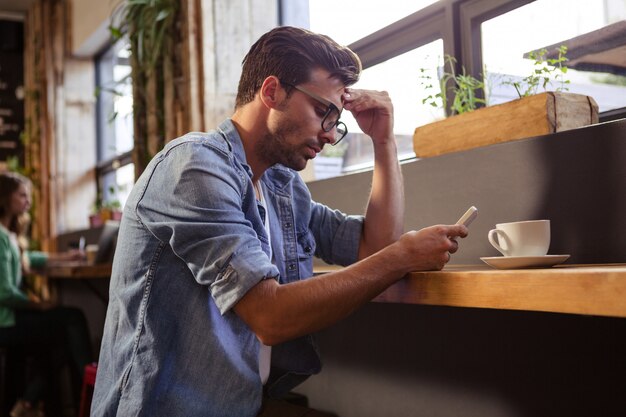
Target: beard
[{"x": 275, "y": 148}]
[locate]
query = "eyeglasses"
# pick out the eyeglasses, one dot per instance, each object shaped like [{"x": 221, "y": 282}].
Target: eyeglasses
[{"x": 331, "y": 116}]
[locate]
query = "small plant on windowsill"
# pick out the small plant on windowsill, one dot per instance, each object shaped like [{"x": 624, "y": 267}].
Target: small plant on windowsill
[
  {"x": 533, "y": 114},
  {"x": 466, "y": 89},
  {"x": 102, "y": 210},
  {"x": 545, "y": 73},
  {"x": 463, "y": 87}
]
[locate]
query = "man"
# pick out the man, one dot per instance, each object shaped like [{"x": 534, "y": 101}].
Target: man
[{"x": 209, "y": 290}]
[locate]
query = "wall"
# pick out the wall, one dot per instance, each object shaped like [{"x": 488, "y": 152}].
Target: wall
[
  {"x": 75, "y": 145},
  {"x": 225, "y": 30},
  {"x": 74, "y": 161},
  {"x": 577, "y": 179},
  {"x": 229, "y": 28},
  {"x": 408, "y": 360},
  {"x": 89, "y": 25}
]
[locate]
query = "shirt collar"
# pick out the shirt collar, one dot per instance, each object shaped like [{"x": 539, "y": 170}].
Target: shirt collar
[
  {"x": 229, "y": 131},
  {"x": 278, "y": 175}
]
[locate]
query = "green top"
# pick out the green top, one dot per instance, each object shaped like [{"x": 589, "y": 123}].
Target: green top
[{"x": 11, "y": 295}]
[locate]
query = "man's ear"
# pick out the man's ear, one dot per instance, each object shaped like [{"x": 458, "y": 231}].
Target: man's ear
[{"x": 271, "y": 92}]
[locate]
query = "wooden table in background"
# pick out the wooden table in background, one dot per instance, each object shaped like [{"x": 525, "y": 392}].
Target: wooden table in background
[
  {"x": 78, "y": 271},
  {"x": 576, "y": 289}
]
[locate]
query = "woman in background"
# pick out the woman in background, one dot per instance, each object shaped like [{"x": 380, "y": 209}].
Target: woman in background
[{"x": 50, "y": 334}]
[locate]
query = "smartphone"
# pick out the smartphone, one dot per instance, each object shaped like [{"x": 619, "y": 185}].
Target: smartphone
[{"x": 468, "y": 217}]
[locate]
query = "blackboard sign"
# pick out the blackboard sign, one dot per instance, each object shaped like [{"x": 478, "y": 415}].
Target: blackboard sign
[{"x": 11, "y": 89}]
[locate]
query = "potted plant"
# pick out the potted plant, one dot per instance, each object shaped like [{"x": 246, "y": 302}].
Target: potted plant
[
  {"x": 533, "y": 114},
  {"x": 96, "y": 219},
  {"x": 114, "y": 209},
  {"x": 103, "y": 210}
]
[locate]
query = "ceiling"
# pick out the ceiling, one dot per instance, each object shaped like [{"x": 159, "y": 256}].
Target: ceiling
[{"x": 603, "y": 50}]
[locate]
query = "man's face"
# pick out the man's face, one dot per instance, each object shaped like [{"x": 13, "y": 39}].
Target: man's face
[{"x": 295, "y": 127}]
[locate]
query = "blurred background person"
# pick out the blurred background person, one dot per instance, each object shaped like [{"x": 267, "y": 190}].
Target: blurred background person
[{"x": 50, "y": 335}]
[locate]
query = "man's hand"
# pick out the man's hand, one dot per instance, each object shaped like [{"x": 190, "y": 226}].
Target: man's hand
[
  {"x": 36, "y": 303},
  {"x": 60, "y": 258},
  {"x": 373, "y": 112},
  {"x": 429, "y": 248}
]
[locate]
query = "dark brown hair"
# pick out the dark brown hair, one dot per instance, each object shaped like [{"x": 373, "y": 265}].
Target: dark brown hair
[
  {"x": 290, "y": 54},
  {"x": 9, "y": 184}
]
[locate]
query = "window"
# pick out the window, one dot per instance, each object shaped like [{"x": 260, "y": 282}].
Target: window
[
  {"x": 406, "y": 78},
  {"x": 507, "y": 38},
  {"x": 401, "y": 75},
  {"x": 351, "y": 20},
  {"x": 115, "y": 171},
  {"x": 397, "y": 40}
]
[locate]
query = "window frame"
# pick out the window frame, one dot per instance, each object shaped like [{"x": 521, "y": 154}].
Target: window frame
[
  {"x": 104, "y": 165},
  {"x": 456, "y": 22}
]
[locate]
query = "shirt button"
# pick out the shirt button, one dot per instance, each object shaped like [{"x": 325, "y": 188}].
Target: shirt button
[
  {"x": 291, "y": 267},
  {"x": 307, "y": 249},
  {"x": 287, "y": 225}
]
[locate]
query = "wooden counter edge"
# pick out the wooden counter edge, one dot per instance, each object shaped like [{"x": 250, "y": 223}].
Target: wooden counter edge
[
  {"x": 78, "y": 271},
  {"x": 576, "y": 289}
]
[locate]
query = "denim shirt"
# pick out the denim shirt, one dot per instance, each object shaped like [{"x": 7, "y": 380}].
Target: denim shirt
[{"x": 191, "y": 244}]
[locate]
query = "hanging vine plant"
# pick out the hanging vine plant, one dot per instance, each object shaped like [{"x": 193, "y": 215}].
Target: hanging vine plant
[{"x": 151, "y": 28}]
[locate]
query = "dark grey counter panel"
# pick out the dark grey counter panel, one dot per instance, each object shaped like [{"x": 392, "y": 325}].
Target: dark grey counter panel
[
  {"x": 411, "y": 360},
  {"x": 577, "y": 179}
]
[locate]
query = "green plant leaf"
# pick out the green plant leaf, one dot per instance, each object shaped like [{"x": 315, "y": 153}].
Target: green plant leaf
[{"x": 116, "y": 33}]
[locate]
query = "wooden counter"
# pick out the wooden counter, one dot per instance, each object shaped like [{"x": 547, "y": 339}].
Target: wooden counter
[
  {"x": 78, "y": 270},
  {"x": 58, "y": 275},
  {"x": 578, "y": 289}
]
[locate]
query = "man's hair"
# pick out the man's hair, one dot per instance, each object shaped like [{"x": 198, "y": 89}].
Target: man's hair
[{"x": 291, "y": 54}]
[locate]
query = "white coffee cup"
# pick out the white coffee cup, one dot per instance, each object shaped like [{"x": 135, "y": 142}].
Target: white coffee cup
[{"x": 527, "y": 238}]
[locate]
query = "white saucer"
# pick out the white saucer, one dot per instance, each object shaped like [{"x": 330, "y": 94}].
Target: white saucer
[{"x": 516, "y": 262}]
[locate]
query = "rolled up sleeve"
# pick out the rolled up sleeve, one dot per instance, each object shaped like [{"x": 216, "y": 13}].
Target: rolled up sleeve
[
  {"x": 196, "y": 202},
  {"x": 336, "y": 233}
]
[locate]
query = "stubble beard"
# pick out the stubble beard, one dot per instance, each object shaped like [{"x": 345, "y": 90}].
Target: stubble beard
[{"x": 276, "y": 149}]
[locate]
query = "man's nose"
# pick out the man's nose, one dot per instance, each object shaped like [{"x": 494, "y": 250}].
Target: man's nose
[{"x": 328, "y": 137}]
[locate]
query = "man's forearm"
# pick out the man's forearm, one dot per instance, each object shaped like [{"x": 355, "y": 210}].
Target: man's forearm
[
  {"x": 384, "y": 217},
  {"x": 277, "y": 313}
]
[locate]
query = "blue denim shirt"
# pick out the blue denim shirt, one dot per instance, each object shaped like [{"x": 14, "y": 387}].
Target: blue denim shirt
[{"x": 191, "y": 244}]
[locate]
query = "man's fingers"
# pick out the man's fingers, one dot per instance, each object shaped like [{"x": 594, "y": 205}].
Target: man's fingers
[
  {"x": 454, "y": 246},
  {"x": 457, "y": 230},
  {"x": 453, "y": 232},
  {"x": 359, "y": 100}
]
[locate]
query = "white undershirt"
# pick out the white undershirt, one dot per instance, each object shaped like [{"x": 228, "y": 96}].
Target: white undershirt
[{"x": 265, "y": 352}]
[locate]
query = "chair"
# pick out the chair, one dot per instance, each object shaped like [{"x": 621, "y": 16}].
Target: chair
[
  {"x": 89, "y": 381},
  {"x": 15, "y": 367}
]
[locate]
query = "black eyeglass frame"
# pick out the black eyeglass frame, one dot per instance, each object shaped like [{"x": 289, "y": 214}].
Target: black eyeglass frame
[{"x": 341, "y": 128}]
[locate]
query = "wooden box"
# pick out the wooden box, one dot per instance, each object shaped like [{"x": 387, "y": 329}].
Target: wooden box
[{"x": 523, "y": 118}]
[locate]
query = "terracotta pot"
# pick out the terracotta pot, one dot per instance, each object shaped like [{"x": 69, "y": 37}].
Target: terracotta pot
[{"x": 95, "y": 220}]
